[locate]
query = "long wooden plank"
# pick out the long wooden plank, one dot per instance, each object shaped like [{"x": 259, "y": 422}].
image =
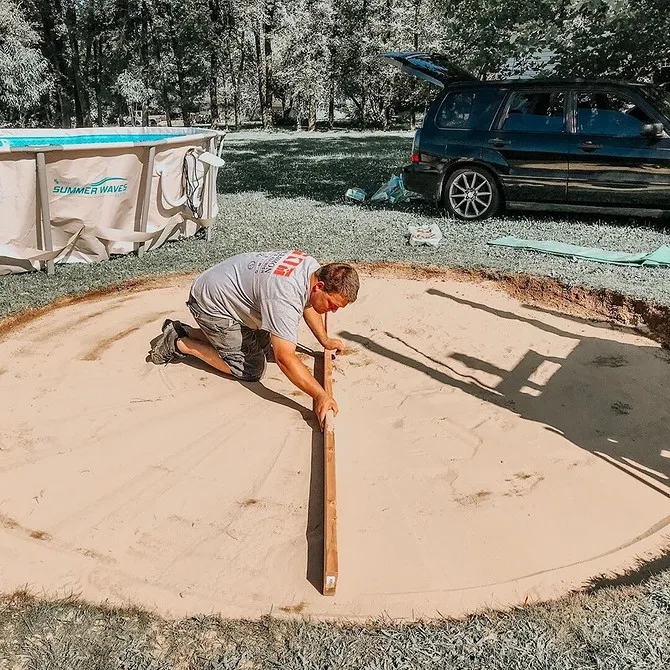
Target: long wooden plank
[{"x": 330, "y": 557}]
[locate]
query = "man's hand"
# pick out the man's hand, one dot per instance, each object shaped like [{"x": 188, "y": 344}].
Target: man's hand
[
  {"x": 323, "y": 403},
  {"x": 334, "y": 344},
  {"x": 296, "y": 371}
]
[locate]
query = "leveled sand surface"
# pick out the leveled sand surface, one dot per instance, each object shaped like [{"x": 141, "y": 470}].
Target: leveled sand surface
[{"x": 488, "y": 454}]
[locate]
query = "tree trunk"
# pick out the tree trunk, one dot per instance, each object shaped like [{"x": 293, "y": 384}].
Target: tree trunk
[
  {"x": 183, "y": 103},
  {"x": 144, "y": 56},
  {"x": 97, "y": 84},
  {"x": 55, "y": 50},
  {"x": 417, "y": 9},
  {"x": 48, "y": 105},
  {"x": 331, "y": 102},
  {"x": 268, "y": 25},
  {"x": 386, "y": 118},
  {"x": 164, "y": 92},
  {"x": 81, "y": 105},
  {"x": 213, "y": 88},
  {"x": 364, "y": 22},
  {"x": 181, "y": 84},
  {"x": 235, "y": 77},
  {"x": 65, "y": 106},
  {"x": 226, "y": 106},
  {"x": 215, "y": 18},
  {"x": 363, "y": 101},
  {"x": 260, "y": 71},
  {"x": 119, "y": 109},
  {"x": 311, "y": 119},
  {"x": 234, "y": 81}
]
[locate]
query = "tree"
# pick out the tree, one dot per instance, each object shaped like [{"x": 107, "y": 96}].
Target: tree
[
  {"x": 313, "y": 55},
  {"x": 24, "y": 73},
  {"x": 134, "y": 92},
  {"x": 304, "y": 69},
  {"x": 603, "y": 38}
]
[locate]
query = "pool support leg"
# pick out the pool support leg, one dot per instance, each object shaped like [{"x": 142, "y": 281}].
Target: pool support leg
[
  {"x": 140, "y": 247},
  {"x": 45, "y": 241},
  {"x": 212, "y": 187}
]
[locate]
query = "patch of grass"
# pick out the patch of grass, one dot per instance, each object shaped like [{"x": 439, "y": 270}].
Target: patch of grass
[{"x": 616, "y": 628}]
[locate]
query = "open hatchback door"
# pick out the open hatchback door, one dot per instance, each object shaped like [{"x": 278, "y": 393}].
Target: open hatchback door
[{"x": 433, "y": 68}]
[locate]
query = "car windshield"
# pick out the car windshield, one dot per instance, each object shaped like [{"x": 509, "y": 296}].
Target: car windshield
[{"x": 660, "y": 98}]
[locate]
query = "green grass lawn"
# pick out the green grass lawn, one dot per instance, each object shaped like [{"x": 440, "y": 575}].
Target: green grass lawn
[{"x": 286, "y": 190}]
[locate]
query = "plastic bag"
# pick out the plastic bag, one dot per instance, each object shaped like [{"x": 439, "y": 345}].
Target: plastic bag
[
  {"x": 392, "y": 192},
  {"x": 355, "y": 195},
  {"x": 424, "y": 235}
]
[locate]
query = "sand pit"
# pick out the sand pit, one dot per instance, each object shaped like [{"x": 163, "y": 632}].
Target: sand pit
[{"x": 488, "y": 453}]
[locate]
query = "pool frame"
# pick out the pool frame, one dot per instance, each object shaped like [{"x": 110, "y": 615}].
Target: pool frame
[{"x": 178, "y": 136}]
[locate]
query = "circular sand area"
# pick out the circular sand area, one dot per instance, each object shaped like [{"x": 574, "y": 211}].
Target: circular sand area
[{"x": 488, "y": 454}]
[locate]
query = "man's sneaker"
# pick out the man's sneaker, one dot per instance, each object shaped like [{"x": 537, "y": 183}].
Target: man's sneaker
[
  {"x": 182, "y": 329},
  {"x": 165, "y": 348}
]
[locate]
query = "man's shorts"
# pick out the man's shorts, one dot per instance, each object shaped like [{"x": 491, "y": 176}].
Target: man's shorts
[{"x": 243, "y": 349}]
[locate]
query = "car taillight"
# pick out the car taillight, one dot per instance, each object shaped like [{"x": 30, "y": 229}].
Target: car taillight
[{"x": 415, "y": 157}]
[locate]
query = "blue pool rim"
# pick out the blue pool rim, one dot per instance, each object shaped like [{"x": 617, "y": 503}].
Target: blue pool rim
[{"x": 17, "y": 140}]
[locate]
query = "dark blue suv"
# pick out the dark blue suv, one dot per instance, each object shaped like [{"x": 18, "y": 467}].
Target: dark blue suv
[{"x": 588, "y": 146}]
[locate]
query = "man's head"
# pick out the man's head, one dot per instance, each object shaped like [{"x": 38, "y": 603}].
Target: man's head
[{"x": 334, "y": 285}]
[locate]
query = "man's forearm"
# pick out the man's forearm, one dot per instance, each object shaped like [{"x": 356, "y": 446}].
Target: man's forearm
[
  {"x": 299, "y": 374},
  {"x": 315, "y": 323}
]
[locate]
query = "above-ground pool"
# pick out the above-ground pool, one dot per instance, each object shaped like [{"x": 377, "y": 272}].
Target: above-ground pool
[{"x": 81, "y": 195}]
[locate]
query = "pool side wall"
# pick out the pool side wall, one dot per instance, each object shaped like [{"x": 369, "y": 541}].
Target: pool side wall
[{"x": 96, "y": 196}]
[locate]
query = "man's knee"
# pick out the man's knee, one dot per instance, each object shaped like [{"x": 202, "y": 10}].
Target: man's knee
[
  {"x": 252, "y": 377},
  {"x": 254, "y": 369}
]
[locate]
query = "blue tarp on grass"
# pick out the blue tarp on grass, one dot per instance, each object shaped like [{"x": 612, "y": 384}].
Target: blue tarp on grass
[{"x": 659, "y": 257}]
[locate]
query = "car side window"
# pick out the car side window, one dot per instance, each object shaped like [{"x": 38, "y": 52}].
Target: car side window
[
  {"x": 601, "y": 113},
  {"x": 536, "y": 112},
  {"x": 463, "y": 109}
]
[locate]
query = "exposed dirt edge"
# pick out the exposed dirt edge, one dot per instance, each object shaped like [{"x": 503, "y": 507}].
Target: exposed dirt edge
[
  {"x": 138, "y": 284},
  {"x": 603, "y": 304},
  {"x": 648, "y": 318}
]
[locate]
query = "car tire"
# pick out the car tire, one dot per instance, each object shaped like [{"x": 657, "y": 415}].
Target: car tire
[{"x": 471, "y": 193}]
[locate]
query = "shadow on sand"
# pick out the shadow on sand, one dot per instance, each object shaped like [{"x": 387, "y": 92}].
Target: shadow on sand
[{"x": 607, "y": 397}]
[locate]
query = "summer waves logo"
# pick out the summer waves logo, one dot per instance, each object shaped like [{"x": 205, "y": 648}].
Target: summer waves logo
[{"x": 106, "y": 186}]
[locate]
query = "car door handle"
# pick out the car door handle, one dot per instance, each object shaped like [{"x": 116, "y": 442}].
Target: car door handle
[
  {"x": 498, "y": 142},
  {"x": 589, "y": 146}
]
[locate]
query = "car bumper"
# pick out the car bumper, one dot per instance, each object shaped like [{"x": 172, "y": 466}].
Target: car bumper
[{"x": 424, "y": 179}]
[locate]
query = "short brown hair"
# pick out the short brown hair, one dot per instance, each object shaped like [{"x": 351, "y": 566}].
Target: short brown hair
[{"x": 339, "y": 278}]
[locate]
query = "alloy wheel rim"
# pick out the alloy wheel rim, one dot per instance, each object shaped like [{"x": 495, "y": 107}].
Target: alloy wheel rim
[{"x": 470, "y": 194}]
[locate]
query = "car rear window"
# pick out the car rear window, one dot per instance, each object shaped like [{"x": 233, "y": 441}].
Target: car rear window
[
  {"x": 536, "y": 112},
  {"x": 465, "y": 108}
]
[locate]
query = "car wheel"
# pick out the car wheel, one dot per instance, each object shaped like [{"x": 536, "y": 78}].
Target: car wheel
[{"x": 471, "y": 193}]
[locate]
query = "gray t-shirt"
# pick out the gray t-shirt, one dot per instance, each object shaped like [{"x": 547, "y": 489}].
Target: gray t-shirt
[{"x": 266, "y": 290}]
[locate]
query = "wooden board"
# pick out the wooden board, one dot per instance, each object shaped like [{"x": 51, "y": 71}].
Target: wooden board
[{"x": 330, "y": 561}]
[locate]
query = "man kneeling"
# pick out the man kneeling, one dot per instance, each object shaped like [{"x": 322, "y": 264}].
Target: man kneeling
[{"x": 248, "y": 309}]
